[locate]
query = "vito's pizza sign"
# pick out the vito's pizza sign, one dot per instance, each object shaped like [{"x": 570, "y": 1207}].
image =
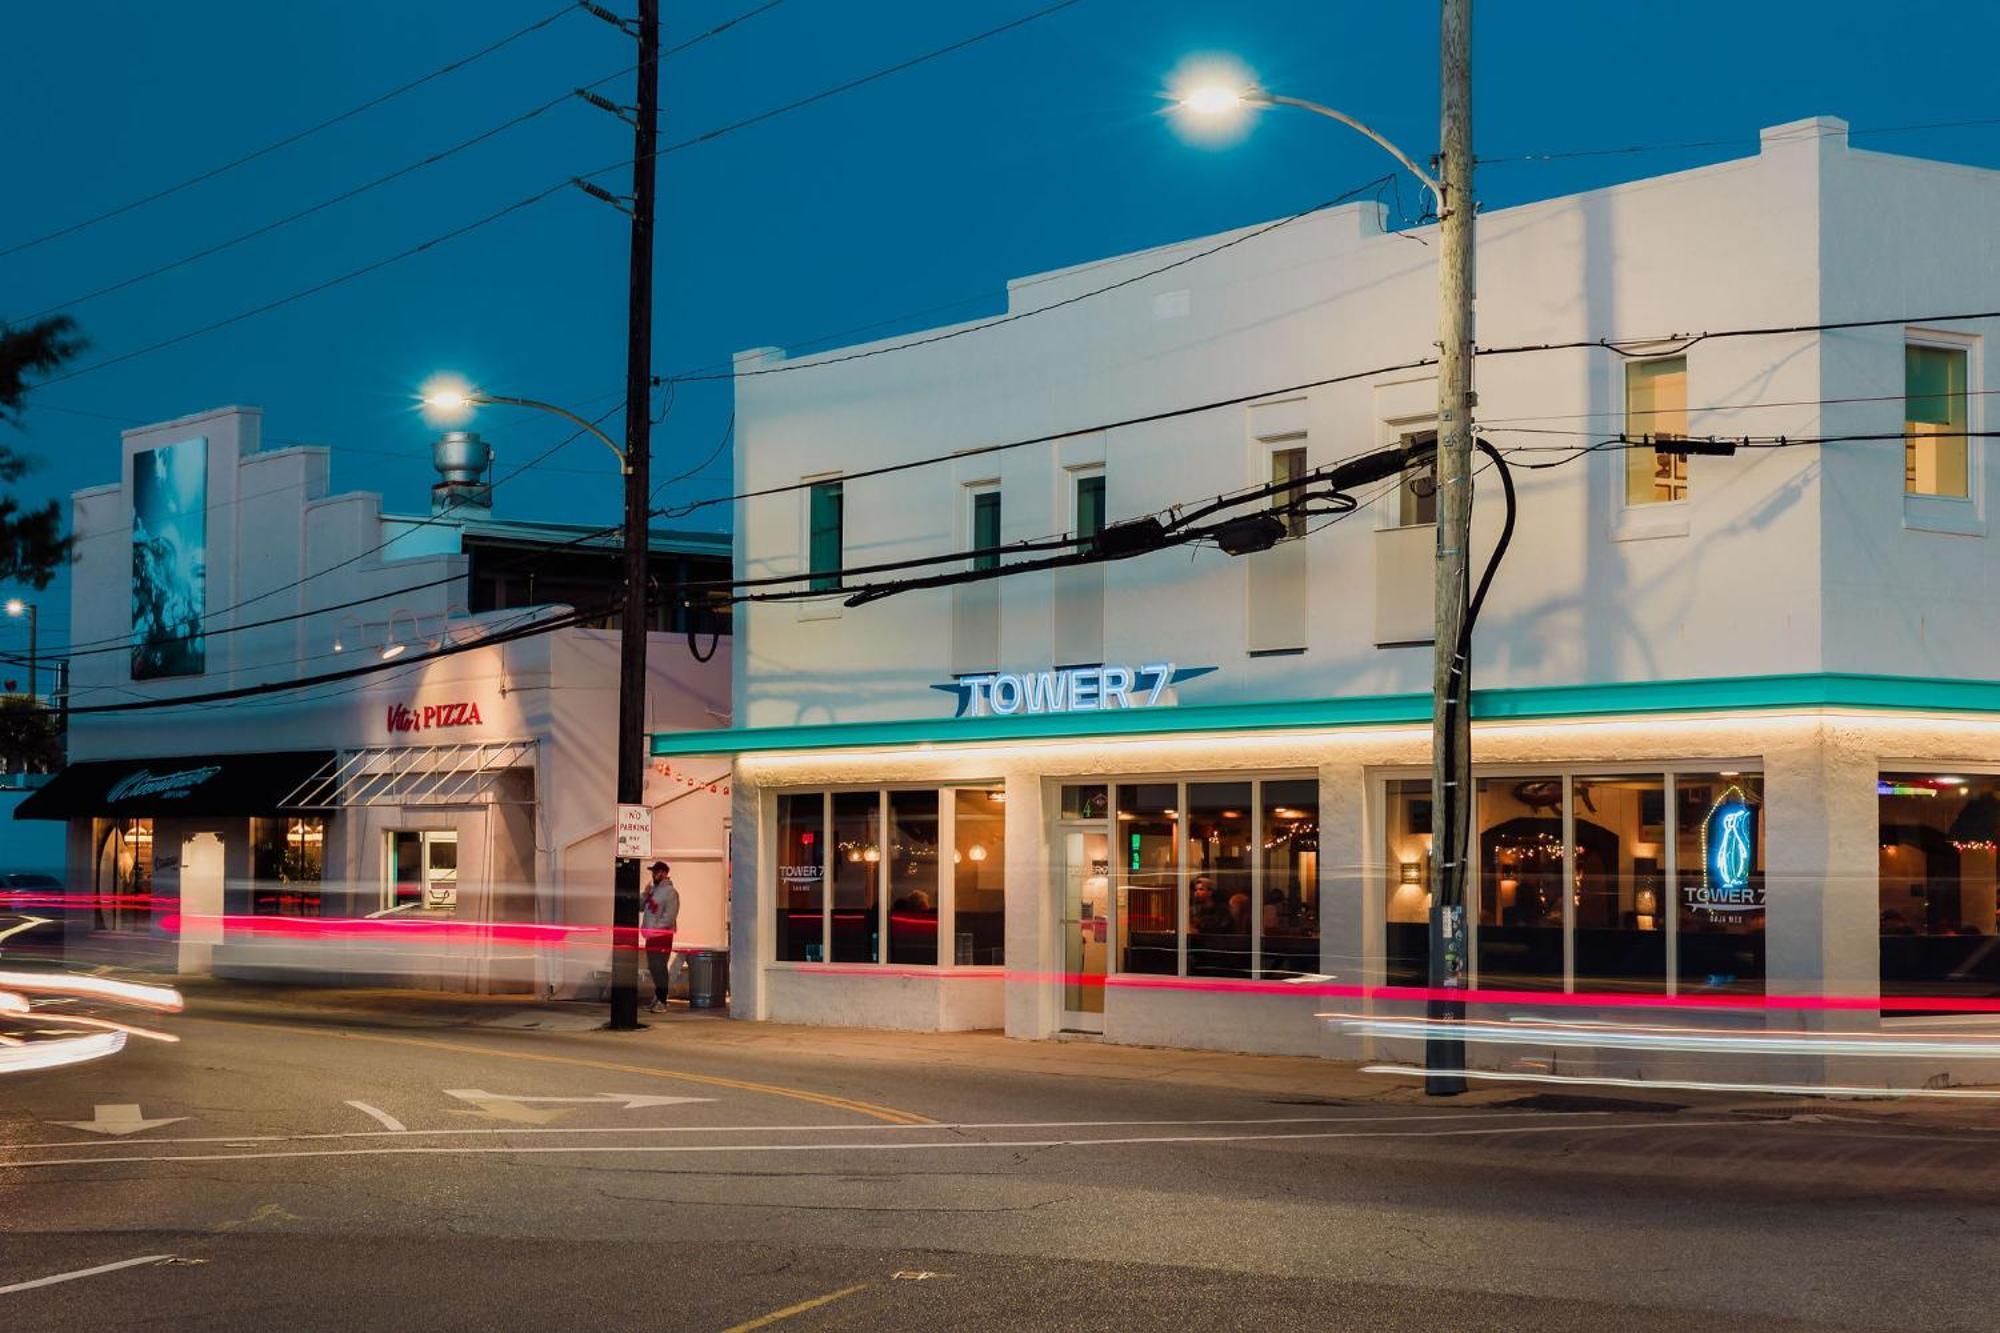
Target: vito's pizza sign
[{"x": 434, "y": 716}]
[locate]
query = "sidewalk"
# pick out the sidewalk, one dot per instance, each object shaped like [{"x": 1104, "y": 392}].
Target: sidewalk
[{"x": 1300, "y": 1078}]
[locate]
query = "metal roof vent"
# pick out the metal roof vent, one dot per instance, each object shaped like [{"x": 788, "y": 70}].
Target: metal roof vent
[{"x": 465, "y": 475}]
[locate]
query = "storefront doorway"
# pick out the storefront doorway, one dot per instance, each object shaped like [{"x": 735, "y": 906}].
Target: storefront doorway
[
  {"x": 423, "y": 873},
  {"x": 1084, "y": 840}
]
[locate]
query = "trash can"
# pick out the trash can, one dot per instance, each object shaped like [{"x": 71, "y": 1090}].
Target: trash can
[{"x": 708, "y": 978}]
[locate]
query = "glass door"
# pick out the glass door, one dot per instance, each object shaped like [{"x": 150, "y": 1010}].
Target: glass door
[{"x": 1086, "y": 925}]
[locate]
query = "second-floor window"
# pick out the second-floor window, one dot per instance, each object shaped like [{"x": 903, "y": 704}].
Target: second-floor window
[
  {"x": 825, "y": 519},
  {"x": 1289, "y": 464},
  {"x": 986, "y": 528},
  {"x": 1090, "y": 504},
  {"x": 1655, "y": 407},
  {"x": 1935, "y": 412},
  {"x": 1417, "y": 496}
]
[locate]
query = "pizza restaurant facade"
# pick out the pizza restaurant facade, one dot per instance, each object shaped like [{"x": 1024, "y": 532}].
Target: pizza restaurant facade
[{"x": 1809, "y": 853}]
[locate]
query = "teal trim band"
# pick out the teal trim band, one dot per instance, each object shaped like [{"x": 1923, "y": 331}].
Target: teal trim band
[{"x": 1545, "y": 703}]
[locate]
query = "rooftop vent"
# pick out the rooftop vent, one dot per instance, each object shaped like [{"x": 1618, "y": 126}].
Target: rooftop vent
[{"x": 465, "y": 475}]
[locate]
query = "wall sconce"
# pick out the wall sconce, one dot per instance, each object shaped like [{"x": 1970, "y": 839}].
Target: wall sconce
[
  {"x": 1411, "y": 872},
  {"x": 977, "y": 851}
]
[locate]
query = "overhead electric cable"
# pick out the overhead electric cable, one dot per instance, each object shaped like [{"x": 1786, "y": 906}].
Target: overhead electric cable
[{"x": 288, "y": 140}]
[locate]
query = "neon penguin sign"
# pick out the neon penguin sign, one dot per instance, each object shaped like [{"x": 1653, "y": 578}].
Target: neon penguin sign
[
  {"x": 1068, "y": 690},
  {"x": 1728, "y": 857}
]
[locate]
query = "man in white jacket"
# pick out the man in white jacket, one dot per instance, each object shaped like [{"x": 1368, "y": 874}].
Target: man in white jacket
[{"x": 659, "y": 914}]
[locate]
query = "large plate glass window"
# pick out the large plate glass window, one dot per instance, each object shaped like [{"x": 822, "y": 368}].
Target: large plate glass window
[
  {"x": 1620, "y": 828},
  {"x": 1147, "y": 854},
  {"x": 124, "y": 875},
  {"x": 857, "y": 856},
  {"x": 1719, "y": 865},
  {"x": 1940, "y": 877},
  {"x": 979, "y": 875},
  {"x": 287, "y": 862},
  {"x": 1220, "y": 824},
  {"x": 913, "y": 877},
  {"x": 1521, "y": 890},
  {"x": 800, "y": 926},
  {"x": 1407, "y": 881},
  {"x": 1288, "y": 918}
]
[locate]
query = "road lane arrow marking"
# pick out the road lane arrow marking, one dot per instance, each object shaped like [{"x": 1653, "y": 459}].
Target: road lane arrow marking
[
  {"x": 630, "y": 1101},
  {"x": 118, "y": 1118}
]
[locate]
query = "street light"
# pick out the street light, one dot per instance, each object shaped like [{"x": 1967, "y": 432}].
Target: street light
[
  {"x": 1451, "y": 691},
  {"x": 17, "y": 608},
  {"x": 454, "y": 400},
  {"x": 453, "y": 397},
  {"x": 1212, "y": 100}
]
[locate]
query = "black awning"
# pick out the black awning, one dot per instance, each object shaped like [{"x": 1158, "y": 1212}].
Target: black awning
[{"x": 205, "y": 786}]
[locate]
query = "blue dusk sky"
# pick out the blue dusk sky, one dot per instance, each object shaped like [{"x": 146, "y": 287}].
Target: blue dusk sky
[{"x": 904, "y": 203}]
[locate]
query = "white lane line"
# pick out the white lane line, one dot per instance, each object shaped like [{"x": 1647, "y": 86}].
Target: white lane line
[
  {"x": 510, "y": 1131},
  {"x": 85, "y": 1272},
  {"x": 380, "y": 1116},
  {"x": 951, "y": 1145}
]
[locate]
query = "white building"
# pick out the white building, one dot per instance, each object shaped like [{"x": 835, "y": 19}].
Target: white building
[
  {"x": 1787, "y": 652},
  {"x": 468, "y": 793}
]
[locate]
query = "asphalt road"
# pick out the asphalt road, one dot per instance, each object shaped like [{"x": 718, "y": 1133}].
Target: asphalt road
[{"x": 316, "y": 1169}]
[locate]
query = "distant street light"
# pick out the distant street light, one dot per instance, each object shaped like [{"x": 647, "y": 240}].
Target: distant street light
[
  {"x": 17, "y": 608},
  {"x": 451, "y": 396}
]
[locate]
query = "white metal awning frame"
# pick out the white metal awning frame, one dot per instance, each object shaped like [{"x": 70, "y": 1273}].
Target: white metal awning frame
[{"x": 409, "y": 775}]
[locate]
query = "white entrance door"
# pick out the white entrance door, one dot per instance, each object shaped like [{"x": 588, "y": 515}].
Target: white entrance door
[{"x": 1086, "y": 924}]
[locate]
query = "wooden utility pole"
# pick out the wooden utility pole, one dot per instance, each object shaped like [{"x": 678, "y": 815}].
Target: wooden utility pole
[
  {"x": 1451, "y": 731},
  {"x": 633, "y": 620}
]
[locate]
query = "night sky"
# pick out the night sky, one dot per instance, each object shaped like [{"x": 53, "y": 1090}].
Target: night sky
[{"x": 905, "y": 203}]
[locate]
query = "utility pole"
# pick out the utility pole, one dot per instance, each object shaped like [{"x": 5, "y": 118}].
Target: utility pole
[
  {"x": 633, "y": 621},
  {"x": 1451, "y": 730}
]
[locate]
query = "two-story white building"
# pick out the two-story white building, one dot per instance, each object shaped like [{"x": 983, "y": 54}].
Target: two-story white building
[
  {"x": 1735, "y": 716},
  {"x": 403, "y": 777}
]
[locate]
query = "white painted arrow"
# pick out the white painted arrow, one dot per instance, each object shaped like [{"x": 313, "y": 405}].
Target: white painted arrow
[
  {"x": 117, "y": 1118},
  {"x": 630, "y": 1101}
]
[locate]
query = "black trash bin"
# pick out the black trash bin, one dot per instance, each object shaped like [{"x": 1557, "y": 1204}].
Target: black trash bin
[{"x": 708, "y": 978}]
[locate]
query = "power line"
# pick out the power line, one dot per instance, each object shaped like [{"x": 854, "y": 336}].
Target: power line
[
  {"x": 532, "y": 199},
  {"x": 330, "y": 201},
  {"x": 288, "y": 140},
  {"x": 721, "y": 28},
  {"x": 548, "y": 626},
  {"x": 1378, "y": 183}
]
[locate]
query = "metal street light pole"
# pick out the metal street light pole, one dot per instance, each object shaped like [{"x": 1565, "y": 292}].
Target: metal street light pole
[{"x": 1451, "y": 714}]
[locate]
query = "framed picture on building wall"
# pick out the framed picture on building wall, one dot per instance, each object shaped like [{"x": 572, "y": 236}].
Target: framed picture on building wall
[{"x": 169, "y": 559}]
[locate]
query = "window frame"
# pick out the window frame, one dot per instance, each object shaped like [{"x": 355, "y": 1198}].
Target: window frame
[
  {"x": 1961, "y": 515},
  {"x": 946, "y": 887},
  {"x": 818, "y": 577},
  {"x": 1377, "y": 870},
  {"x": 1184, "y": 872},
  {"x": 977, "y": 493},
  {"x": 1292, "y": 448},
  {"x": 1684, "y": 479}
]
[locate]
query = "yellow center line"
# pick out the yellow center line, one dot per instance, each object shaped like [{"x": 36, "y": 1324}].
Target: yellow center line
[
  {"x": 764, "y": 1320},
  {"x": 872, "y": 1109}
]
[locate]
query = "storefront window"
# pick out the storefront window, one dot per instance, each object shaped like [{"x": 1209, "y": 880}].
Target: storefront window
[
  {"x": 1520, "y": 840},
  {"x": 1719, "y": 864},
  {"x": 1219, "y": 824},
  {"x": 979, "y": 871},
  {"x": 1940, "y": 875},
  {"x": 800, "y": 923},
  {"x": 1290, "y": 911},
  {"x": 857, "y": 857},
  {"x": 1146, "y": 852},
  {"x": 860, "y": 877},
  {"x": 1621, "y": 935},
  {"x": 124, "y": 875},
  {"x": 913, "y": 877},
  {"x": 1407, "y": 883},
  {"x": 287, "y": 863}
]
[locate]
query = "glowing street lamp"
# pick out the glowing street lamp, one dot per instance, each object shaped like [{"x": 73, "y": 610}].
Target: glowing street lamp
[
  {"x": 1214, "y": 100},
  {"x": 18, "y": 608},
  {"x": 452, "y": 398}
]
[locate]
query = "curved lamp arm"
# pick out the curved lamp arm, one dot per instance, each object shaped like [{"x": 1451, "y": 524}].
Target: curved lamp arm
[
  {"x": 537, "y": 405},
  {"x": 1409, "y": 164}
]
